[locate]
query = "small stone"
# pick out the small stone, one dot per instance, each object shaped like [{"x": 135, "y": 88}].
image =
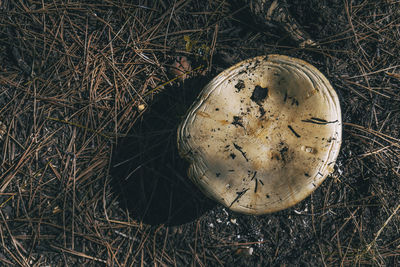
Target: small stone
[
  {"x": 244, "y": 251},
  {"x": 307, "y": 149},
  {"x": 181, "y": 68}
]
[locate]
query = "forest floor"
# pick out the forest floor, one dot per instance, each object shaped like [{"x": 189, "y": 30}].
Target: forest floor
[{"x": 89, "y": 106}]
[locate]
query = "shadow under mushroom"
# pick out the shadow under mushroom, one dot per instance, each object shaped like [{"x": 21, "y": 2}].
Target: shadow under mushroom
[{"x": 148, "y": 175}]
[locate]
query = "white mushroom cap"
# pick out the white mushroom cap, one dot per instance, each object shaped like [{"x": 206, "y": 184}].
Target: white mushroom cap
[{"x": 263, "y": 134}]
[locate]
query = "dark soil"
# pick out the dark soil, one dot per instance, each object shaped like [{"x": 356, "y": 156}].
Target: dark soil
[{"x": 89, "y": 171}]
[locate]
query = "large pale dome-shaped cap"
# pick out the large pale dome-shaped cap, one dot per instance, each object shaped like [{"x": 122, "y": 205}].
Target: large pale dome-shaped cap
[{"x": 263, "y": 134}]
